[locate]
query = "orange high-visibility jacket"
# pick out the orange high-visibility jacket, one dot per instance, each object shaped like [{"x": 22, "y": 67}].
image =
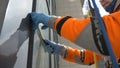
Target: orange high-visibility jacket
[{"x": 79, "y": 31}]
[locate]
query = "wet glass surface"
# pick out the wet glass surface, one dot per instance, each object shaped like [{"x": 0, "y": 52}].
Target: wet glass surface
[
  {"x": 14, "y": 41},
  {"x": 10, "y": 53}
]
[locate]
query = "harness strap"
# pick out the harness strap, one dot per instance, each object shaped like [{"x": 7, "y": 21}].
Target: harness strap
[
  {"x": 108, "y": 45},
  {"x": 97, "y": 33}
]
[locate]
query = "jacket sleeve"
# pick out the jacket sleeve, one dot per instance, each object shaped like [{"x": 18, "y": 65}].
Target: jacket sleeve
[
  {"x": 70, "y": 28},
  {"x": 81, "y": 56}
]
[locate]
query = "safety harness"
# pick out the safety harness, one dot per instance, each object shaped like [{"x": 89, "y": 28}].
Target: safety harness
[
  {"x": 97, "y": 33},
  {"x": 100, "y": 34}
]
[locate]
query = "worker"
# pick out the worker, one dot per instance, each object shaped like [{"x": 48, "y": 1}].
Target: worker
[
  {"x": 79, "y": 31},
  {"x": 107, "y": 4},
  {"x": 111, "y": 5}
]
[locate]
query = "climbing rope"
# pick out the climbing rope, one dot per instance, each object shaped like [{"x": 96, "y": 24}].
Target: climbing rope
[{"x": 112, "y": 56}]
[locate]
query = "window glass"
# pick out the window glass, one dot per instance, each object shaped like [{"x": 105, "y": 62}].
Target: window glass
[
  {"x": 40, "y": 56},
  {"x": 17, "y": 9},
  {"x": 10, "y": 39}
]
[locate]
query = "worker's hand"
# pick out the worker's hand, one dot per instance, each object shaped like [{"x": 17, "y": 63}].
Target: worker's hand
[
  {"x": 39, "y": 18},
  {"x": 52, "y": 47},
  {"x": 105, "y": 3}
]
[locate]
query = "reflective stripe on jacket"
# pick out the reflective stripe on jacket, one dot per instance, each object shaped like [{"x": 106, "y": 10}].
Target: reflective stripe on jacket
[{"x": 81, "y": 56}]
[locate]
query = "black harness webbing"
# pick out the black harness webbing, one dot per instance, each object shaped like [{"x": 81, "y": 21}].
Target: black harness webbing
[
  {"x": 60, "y": 23},
  {"x": 97, "y": 33},
  {"x": 104, "y": 33},
  {"x": 31, "y": 40}
]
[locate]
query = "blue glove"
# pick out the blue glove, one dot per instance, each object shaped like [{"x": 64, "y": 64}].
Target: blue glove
[
  {"x": 52, "y": 47},
  {"x": 39, "y": 18}
]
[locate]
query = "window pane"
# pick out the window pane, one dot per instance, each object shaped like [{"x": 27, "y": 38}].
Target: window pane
[{"x": 17, "y": 9}]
